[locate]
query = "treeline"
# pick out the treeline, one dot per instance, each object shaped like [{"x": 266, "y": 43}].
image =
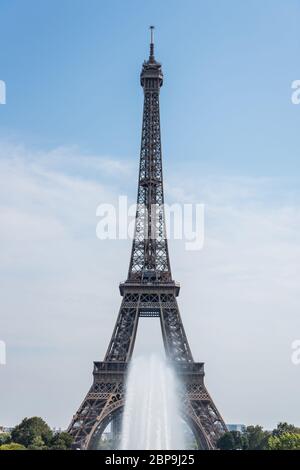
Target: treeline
[
  {"x": 34, "y": 434},
  {"x": 284, "y": 437}
]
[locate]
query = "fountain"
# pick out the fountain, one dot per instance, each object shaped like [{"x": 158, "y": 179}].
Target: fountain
[{"x": 151, "y": 418}]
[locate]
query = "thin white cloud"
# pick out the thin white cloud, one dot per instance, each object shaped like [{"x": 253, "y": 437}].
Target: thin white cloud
[{"x": 59, "y": 285}]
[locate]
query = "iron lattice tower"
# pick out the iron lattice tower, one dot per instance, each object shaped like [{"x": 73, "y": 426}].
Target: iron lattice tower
[{"x": 149, "y": 291}]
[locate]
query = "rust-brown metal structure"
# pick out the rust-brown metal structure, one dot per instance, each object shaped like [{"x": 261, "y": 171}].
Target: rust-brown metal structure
[{"x": 149, "y": 291}]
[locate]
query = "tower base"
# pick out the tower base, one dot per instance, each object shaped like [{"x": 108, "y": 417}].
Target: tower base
[{"x": 106, "y": 398}]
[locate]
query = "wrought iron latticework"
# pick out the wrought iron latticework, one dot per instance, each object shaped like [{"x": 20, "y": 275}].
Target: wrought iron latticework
[
  {"x": 150, "y": 257},
  {"x": 149, "y": 291}
]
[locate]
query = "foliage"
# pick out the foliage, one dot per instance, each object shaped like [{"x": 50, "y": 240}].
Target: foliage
[
  {"x": 5, "y": 438},
  {"x": 226, "y": 441},
  {"x": 283, "y": 428},
  {"x": 251, "y": 438},
  {"x": 233, "y": 440},
  {"x": 257, "y": 438},
  {"x": 284, "y": 437},
  {"x": 32, "y": 432},
  {"x": 35, "y": 434},
  {"x": 61, "y": 441},
  {"x": 12, "y": 446},
  {"x": 284, "y": 441},
  {"x": 37, "y": 444}
]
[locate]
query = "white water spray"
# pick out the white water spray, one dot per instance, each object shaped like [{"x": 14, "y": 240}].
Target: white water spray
[{"x": 151, "y": 416}]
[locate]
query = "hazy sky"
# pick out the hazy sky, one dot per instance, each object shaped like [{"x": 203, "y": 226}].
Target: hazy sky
[{"x": 69, "y": 140}]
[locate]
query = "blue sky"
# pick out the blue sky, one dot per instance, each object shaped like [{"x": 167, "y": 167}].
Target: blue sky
[
  {"x": 69, "y": 140},
  {"x": 72, "y": 72}
]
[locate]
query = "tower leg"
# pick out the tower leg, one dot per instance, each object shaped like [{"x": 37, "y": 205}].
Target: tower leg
[
  {"x": 197, "y": 407},
  {"x": 104, "y": 401}
]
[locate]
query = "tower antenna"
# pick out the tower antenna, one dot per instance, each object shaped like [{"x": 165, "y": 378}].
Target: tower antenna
[{"x": 151, "y": 42}]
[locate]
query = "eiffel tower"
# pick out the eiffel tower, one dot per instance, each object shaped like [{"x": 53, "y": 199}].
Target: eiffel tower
[{"x": 149, "y": 291}]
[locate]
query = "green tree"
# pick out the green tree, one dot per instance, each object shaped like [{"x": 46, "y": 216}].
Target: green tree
[
  {"x": 37, "y": 444},
  {"x": 256, "y": 438},
  {"x": 283, "y": 428},
  {"x": 61, "y": 441},
  {"x": 232, "y": 440},
  {"x": 284, "y": 441},
  {"x": 226, "y": 441},
  {"x": 5, "y": 438},
  {"x": 27, "y": 432},
  {"x": 12, "y": 446}
]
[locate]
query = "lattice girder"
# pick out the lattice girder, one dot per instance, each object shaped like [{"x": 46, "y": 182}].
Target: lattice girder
[{"x": 149, "y": 291}]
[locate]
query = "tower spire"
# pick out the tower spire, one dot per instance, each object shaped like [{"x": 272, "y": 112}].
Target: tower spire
[
  {"x": 150, "y": 257},
  {"x": 151, "y": 57}
]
